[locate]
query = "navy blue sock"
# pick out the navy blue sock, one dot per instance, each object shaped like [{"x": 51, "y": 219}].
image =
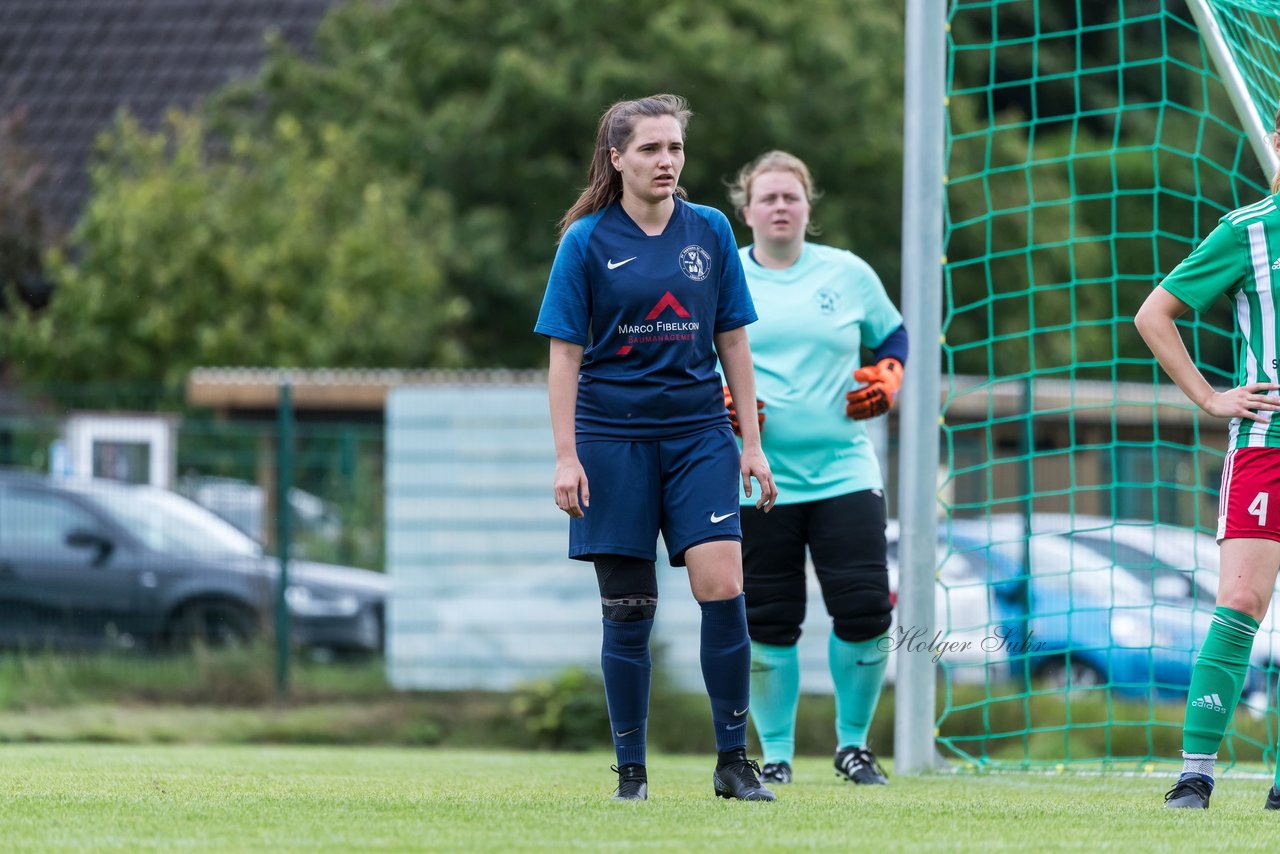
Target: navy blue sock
[
  {"x": 624, "y": 658},
  {"x": 726, "y": 669}
]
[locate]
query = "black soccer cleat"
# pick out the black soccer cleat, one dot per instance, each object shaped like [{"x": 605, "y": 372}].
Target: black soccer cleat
[
  {"x": 1191, "y": 792},
  {"x": 1273, "y": 799},
  {"x": 859, "y": 765},
  {"x": 776, "y": 772},
  {"x": 738, "y": 777},
  {"x": 633, "y": 783}
]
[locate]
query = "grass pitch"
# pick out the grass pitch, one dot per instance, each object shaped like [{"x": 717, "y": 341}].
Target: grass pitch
[{"x": 198, "y": 798}]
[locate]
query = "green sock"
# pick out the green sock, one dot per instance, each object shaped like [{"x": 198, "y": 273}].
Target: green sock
[
  {"x": 1217, "y": 680},
  {"x": 857, "y": 669},
  {"x": 775, "y": 694}
]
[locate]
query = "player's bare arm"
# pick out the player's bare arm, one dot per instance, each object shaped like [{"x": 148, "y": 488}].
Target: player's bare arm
[
  {"x": 735, "y": 357},
  {"x": 1155, "y": 322},
  {"x": 562, "y": 388}
]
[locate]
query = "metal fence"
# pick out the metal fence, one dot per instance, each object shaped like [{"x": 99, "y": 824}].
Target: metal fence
[{"x": 131, "y": 521}]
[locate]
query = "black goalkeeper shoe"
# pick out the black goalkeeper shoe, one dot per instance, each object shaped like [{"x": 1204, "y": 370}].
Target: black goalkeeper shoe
[
  {"x": 776, "y": 772},
  {"x": 1273, "y": 799},
  {"x": 1190, "y": 793},
  {"x": 859, "y": 765},
  {"x": 739, "y": 777},
  {"x": 633, "y": 783}
]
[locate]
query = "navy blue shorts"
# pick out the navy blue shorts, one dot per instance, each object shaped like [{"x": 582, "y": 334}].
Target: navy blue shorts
[{"x": 687, "y": 488}]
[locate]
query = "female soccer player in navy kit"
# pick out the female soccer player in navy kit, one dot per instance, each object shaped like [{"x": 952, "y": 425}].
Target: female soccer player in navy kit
[
  {"x": 1239, "y": 259},
  {"x": 645, "y": 293},
  {"x": 819, "y": 306}
]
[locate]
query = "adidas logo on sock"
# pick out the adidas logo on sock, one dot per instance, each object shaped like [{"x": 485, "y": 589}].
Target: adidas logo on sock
[
  {"x": 1276, "y": 264},
  {"x": 1212, "y": 702}
]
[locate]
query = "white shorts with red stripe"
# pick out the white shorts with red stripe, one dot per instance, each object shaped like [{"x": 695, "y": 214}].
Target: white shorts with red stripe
[{"x": 1249, "y": 504}]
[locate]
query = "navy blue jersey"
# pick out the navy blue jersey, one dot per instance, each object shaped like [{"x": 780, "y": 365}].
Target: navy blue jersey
[{"x": 646, "y": 309}]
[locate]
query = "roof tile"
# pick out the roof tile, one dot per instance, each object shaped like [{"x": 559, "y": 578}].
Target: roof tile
[{"x": 72, "y": 63}]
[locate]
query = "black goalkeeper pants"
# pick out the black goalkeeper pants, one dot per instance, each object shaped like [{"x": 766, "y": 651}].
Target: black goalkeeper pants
[{"x": 845, "y": 537}]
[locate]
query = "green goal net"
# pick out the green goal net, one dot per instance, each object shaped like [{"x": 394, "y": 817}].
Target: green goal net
[{"x": 1090, "y": 146}]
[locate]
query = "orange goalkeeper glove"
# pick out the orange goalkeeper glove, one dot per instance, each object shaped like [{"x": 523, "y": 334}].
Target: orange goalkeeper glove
[
  {"x": 883, "y": 380},
  {"x": 733, "y": 413}
]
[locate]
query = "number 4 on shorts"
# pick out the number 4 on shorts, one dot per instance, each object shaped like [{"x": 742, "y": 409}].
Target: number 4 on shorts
[{"x": 1259, "y": 508}]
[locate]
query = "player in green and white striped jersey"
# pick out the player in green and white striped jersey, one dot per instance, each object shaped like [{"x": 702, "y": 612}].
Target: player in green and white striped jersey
[{"x": 1240, "y": 259}]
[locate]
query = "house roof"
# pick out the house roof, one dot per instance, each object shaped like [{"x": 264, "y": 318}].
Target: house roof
[{"x": 69, "y": 65}]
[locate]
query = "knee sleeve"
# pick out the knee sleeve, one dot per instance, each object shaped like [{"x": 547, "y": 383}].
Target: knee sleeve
[{"x": 628, "y": 588}]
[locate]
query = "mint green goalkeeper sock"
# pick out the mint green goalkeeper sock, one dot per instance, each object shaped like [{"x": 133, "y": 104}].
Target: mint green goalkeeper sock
[
  {"x": 1217, "y": 680},
  {"x": 857, "y": 669},
  {"x": 775, "y": 695}
]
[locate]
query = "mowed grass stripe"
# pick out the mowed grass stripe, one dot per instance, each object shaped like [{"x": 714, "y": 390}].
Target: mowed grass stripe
[{"x": 198, "y": 798}]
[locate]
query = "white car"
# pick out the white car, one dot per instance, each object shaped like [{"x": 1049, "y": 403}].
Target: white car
[
  {"x": 1161, "y": 579},
  {"x": 243, "y": 504},
  {"x": 1182, "y": 567}
]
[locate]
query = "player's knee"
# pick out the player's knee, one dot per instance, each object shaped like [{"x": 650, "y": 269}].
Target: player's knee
[
  {"x": 859, "y": 606},
  {"x": 1245, "y": 601},
  {"x": 860, "y": 615},
  {"x": 716, "y": 589},
  {"x": 775, "y": 622},
  {"x": 628, "y": 609},
  {"x": 628, "y": 588},
  {"x": 861, "y": 628}
]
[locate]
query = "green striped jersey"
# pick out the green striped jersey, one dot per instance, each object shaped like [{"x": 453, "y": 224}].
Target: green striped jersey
[{"x": 1241, "y": 259}]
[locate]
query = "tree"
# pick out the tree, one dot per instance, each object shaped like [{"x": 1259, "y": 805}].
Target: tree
[
  {"x": 24, "y": 225},
  {"x": 289, "y": 250},
  {"x": 494, "y": 104},
  {"x": 389, "y": 197}
]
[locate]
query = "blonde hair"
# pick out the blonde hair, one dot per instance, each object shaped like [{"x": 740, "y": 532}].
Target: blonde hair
[
  {"x": 1275, "y": 137},
  {"x": 772, "y": 161},
  {"x": 617, "y": 127}
]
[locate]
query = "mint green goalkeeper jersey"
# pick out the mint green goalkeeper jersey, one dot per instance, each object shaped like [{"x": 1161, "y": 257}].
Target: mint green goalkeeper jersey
[
  {"x": 815, "y": 316},
  {"x": 1241, "y": 260}
]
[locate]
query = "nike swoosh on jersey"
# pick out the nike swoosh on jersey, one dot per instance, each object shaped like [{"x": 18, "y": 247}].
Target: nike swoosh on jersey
[
  {"x": 715, "y": 520},
  {"x": 613, "y": 265}
]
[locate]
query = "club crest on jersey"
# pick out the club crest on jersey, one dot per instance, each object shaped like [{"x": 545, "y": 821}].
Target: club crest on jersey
[
  {"x": 695, "y": 262},
  {"x": 826, "y": 300}
]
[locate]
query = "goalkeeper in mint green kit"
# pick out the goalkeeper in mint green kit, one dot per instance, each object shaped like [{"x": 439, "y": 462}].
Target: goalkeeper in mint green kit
[
  {"x": 1240, "y": 259},
  {"x": 818, "y": 307}
]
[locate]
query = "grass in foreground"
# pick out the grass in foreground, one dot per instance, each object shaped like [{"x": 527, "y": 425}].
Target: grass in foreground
[{"x": 104, "y": 798}]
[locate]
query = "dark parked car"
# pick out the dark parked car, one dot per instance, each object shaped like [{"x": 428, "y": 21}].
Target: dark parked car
[{"x": 89, "y": 563}]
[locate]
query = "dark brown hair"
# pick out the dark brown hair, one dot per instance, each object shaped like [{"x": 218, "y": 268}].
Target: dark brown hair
[{"x": 617, "y": 126}]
